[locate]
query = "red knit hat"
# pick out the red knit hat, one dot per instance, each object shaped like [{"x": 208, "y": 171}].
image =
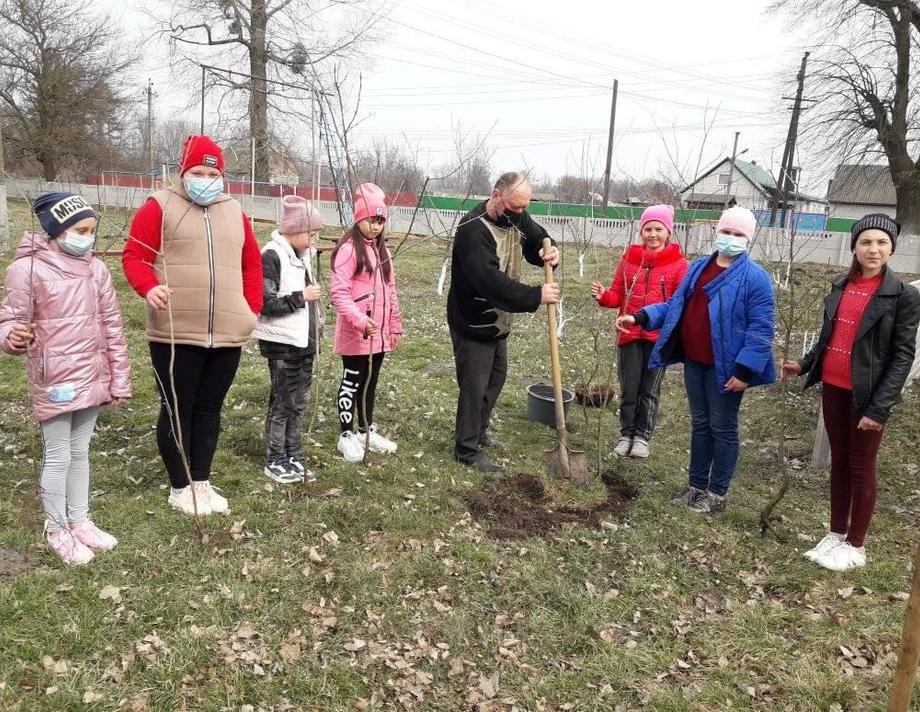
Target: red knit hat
[{"x": 201, "y": 151}]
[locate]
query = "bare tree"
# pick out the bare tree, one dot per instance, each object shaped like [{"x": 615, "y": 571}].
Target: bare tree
[
  {"x": 866, "y": 88},
  {"x": 577, "y": 188},
  {"x": 276, "y": 47},
  {"x": 390, "y": 166},
  {"x": 61, "y": 83}
]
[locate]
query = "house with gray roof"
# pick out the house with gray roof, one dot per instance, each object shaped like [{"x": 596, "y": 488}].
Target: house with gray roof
[
  {"x": 859, "y": 189},
  {"x": 748, "y": 185}
]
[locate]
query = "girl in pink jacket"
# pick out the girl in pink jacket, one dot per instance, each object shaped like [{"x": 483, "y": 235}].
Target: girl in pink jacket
[
  {"x": 367, "y": 320},
  {"x": 62, "y": 313}
]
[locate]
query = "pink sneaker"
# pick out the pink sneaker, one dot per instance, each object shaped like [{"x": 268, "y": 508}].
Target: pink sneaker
[
  {"x": 92, "y": 536},
  {"x": 71, "y": 550}
]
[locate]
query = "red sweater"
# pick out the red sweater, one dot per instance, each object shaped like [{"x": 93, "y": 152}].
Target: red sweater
[
  {"x": 695, "y": 329},
  {"x": 137, "y": 260},
  {"x": 836, "y": 364},
  {"x": 643, "y": 278}
]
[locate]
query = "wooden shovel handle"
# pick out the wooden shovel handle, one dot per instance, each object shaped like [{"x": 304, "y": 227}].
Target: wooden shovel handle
[{"x": 554, "y": 348}]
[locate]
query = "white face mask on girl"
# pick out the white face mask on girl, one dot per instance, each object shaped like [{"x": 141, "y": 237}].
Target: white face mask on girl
[
  {"x": 75, "y": 244},
  {"x": 730, "y": 245}
]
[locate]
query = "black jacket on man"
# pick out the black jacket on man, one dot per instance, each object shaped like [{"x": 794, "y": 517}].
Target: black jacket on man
[
  {"x": 883, "y": 351},
  {"x": 485, "y": 264}
]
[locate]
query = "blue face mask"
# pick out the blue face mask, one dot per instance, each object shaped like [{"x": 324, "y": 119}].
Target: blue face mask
[
  {"x": 730, "y": 245},
  {"x": 76, "y": 245},
  {"x": 204, "y": 191}
]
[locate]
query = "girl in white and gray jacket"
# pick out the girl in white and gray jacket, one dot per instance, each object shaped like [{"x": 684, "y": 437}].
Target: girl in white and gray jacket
[{"x": 287, "y": 332}]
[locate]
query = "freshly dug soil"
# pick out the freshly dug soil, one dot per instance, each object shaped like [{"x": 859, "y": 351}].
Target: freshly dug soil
[
  {"x": 596, "y": 396},
  {"x": 517, "y": 506}
]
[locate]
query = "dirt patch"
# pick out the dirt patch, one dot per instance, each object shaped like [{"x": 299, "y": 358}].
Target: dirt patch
[
  {"x": 599, "y": 396},
  {"x": 12, "y": 563},
  {"x": 518, "y": 506}
]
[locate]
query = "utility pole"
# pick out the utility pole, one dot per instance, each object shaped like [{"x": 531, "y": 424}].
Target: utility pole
[
  {"x": 613, "y": 118},
  {"x": 731, "y": 172},
  {"x": 785, "y": 172},
  {"x": 150, "y": 167}
]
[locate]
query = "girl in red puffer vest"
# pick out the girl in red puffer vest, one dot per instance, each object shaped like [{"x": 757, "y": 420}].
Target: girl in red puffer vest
[{"x": 647, "y": 274}]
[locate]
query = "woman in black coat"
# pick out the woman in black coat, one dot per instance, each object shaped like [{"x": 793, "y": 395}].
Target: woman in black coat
[{"x": 862, "y": 357}]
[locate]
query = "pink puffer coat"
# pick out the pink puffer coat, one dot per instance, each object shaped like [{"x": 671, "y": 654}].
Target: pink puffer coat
[
  {"x": 79, "y": 358},
  {"x": 355, "y": 296}
]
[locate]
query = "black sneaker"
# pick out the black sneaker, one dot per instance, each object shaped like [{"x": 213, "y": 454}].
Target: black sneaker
[
  {"x": 279, "y": 472},
  {"x": 709, "y": 503},
  {"x": 482, "y": 463},
  {"x": 297, "y": 467},
  {"x": 688, "y": 496}
]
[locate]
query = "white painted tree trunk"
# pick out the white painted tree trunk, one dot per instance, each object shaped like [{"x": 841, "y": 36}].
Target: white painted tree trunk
[
  {"x": 581, "y": 263},
  {"x": 443, "y": 277}
]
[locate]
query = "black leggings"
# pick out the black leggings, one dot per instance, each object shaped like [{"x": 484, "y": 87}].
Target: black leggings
[
  {"x": 202, "y": 378},
  {"x": 351, "y": 391}
]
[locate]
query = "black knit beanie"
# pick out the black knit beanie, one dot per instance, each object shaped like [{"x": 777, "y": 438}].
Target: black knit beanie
[
  {"x": 58, "y": 211},
  {"x": 877, "y": 221}
]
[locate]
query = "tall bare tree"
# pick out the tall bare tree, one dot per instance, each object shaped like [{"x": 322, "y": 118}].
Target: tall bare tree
[
  {"x": 62, "y": 70},
  {"x": 865, "y": 88},
  {"x": 277, "y": 46}
]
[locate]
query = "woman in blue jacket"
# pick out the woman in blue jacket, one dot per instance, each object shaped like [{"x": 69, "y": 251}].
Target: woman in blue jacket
[{"x": 719, "y": 323}]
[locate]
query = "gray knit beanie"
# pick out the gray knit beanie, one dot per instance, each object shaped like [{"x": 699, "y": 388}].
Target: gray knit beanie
[{"x": 877, "y": 221}]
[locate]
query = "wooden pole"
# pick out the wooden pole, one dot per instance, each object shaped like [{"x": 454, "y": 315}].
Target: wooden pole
[
  {"x": 613, "y": 118},
  {"x": 909, "y": 653},
  {"x": 731, "y": 172}
]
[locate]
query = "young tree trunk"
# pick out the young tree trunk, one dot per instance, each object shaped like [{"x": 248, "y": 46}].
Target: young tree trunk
[
  {"x": 909, "y": 653},
  {"x": 258, "y": 89}
]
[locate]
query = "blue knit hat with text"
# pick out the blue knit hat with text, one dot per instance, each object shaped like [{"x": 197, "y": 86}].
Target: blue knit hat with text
[
  {"x": 876, "y": 221},
  {"x": 58, "y": 211}
]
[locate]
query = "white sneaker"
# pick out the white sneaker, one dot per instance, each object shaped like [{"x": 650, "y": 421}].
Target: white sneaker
[
  {"x": 826, "y": 544},
  {"x": 207, "y": 492},
  {"x": 351, "y": 446},
  {"x": 378, "y": 443},
  {"x": 842, "y": 557},
  {"x": 623, "y": 446},
  {"x": 181, "y": 499},
  {"x": 71, "y": 550},
  {"x": 639, "y": 448}
]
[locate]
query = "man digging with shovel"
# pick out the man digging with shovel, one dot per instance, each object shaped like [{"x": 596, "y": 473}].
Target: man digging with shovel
[{"x": 484, "y": 293}]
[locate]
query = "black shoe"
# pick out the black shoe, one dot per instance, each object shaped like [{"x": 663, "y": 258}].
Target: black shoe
[
  {"x": 482, "y": 463},
  {"x": 486, "y": 441}
]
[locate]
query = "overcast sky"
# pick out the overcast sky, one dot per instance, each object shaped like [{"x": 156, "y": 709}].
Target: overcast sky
[{"x": 537, "y": 75}]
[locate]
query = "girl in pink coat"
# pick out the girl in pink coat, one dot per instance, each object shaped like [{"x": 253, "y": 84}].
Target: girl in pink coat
[
  {"x": 367, "y": 323},
  {"x": 61, "y": 312}
]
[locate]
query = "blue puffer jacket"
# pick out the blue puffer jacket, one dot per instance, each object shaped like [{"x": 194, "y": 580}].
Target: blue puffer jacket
[{"x": 741, "y": 315}]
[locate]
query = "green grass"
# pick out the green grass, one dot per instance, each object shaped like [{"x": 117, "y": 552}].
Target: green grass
[{"x": 667, "y": 612}]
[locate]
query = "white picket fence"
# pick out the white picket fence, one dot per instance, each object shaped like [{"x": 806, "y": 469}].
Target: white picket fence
[{"x": 770, "y": 245}]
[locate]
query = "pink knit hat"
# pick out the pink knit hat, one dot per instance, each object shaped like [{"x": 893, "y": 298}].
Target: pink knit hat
[
  {"x": 739, "y": 219},
  {"x": 298, "y": 215},
  {"x": 662, "y": 213},
  {"x": 370, "y": 202}
]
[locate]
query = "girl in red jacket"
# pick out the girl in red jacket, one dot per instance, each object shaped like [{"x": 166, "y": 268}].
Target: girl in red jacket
[{"x": 647, "y": 274}]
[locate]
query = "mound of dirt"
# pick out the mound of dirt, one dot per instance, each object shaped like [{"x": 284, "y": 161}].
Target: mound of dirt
[
  {"x": 518, "y": 506},
  {"x": 12, "y": 563}
]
